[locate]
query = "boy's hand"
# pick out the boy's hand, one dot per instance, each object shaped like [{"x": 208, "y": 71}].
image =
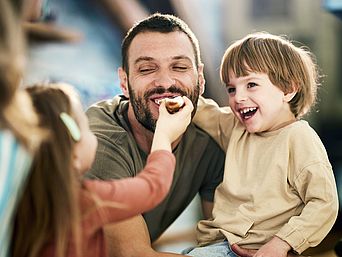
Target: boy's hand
[{"x": 274, "y": 248}]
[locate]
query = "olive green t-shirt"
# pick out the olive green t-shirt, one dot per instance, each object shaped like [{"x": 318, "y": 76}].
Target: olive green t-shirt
[{"x": 199, "y": 161}]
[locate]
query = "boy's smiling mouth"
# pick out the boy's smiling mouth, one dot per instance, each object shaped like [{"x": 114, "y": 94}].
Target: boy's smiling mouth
[{"x": 247, "y": 112}]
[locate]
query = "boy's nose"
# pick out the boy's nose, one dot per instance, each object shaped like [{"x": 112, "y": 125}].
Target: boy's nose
[{"x": 240, "y": 96}]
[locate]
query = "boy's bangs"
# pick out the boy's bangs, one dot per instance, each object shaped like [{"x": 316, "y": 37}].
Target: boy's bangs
[{"x": 243, "y": 61}]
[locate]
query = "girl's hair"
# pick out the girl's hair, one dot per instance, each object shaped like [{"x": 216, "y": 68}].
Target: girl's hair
[
  {"x": 288, "y": 67},
  {"x": 16, "y": 112},
  {"x": 48, "y": 211}
]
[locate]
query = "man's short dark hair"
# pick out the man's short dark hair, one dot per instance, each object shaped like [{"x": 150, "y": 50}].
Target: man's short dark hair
[{"x": 163, "y": 23}]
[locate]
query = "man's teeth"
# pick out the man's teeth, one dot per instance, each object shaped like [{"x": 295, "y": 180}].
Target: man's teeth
[
  {"x": 250, "y": 109},
  {"x": 158, "y": 101}
]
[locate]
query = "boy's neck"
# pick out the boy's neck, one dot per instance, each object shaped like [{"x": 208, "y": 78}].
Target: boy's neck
[{"x": 284, "y": 124}]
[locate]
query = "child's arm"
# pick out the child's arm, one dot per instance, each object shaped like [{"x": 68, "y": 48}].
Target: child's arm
[
  {"x": 124, "y": 198},
  {"x": 171, "y": 126},
  {"x": 120, "y": 199},
  {"x": 312, "y": 177},
  {"x": 316, "y": 187},
  {"x": 217, "y": 121}
]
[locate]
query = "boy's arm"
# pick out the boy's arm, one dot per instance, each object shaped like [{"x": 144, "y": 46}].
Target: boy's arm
[
  {"x": 313, "y": 180},
  {"x": 217, "y": 121},
  {"x": 316, "y": 187}
]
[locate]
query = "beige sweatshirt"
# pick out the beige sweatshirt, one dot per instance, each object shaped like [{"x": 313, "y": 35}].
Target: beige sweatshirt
[{"x": 276, "y": 183}]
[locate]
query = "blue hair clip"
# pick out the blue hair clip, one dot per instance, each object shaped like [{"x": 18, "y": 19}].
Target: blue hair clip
[{"x": 71, "y": 125}]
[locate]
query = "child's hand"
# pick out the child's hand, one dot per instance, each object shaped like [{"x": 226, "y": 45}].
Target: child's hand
[
  {"x": 170, "y": 127},
  {"x": 174, "y": 125},
  {"x": 276, "y": 247}
]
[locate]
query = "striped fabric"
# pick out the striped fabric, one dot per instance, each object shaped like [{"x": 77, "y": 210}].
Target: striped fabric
[{"x": 14, "y": 166}]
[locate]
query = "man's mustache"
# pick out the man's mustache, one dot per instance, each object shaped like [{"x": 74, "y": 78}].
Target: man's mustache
[{"x": 161, "y": 90}]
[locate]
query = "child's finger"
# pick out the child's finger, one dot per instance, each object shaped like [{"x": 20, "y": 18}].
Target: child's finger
[
  {"x": 188, "y": 104},
  {"x": 162, "y": 107}
]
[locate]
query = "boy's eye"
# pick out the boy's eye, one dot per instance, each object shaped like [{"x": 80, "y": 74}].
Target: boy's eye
[
  {"x": 230, "y": 90},
  {"x": 251, "y": 84}
]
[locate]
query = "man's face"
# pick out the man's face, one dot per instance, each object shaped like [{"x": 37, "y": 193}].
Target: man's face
[{"x": 160, "y": 65}]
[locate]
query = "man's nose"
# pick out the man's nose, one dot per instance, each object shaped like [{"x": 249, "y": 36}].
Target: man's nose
[{"x": 164, "y": 80}]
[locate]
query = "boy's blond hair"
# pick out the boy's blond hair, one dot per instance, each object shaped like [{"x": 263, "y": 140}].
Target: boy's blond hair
[{"x": 288, "y": 67}]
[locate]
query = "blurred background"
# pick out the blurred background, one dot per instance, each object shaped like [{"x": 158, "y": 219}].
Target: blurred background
[{"x": 79, "y": 42}]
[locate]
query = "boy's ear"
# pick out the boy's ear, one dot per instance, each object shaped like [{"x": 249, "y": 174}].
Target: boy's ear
[
  {"x": 201, "y": 79},
  {"x": 288, "y": 96},
  {"x": 123, "y": 81}
]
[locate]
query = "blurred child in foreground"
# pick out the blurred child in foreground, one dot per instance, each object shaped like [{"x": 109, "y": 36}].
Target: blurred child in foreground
[
  {"x": 62, "y": 215},
  {"x": 19, "y": 133}
]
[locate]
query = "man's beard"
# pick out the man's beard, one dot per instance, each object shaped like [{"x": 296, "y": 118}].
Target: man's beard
[{"x": 141, "y": 108}]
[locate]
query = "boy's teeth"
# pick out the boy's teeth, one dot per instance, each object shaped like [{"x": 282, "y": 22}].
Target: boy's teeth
[{"x": 247, "y": 110}]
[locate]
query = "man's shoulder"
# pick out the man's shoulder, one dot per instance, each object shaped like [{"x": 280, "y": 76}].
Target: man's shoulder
[
  {"x": 197, "y": 140},
  {"x": 107, "y": 114},
  {"x": 198, "y": 135},
  {"x": 103, "y": 107},
  {"x": 117, "y": 152}
]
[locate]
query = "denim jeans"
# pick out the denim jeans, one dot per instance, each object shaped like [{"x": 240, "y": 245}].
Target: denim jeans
[{"x": 221, "y": 249}]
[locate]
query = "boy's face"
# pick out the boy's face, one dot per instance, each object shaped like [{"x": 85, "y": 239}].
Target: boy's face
[
  {"x": 160, "y": 65},
  {"x": 258, "y": 104}
]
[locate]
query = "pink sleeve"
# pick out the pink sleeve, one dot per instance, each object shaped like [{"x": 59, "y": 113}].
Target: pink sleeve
[{"x": 124, "y": 198}]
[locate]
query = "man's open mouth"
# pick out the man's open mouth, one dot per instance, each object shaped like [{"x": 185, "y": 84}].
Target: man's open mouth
[{"x": 158, "y": 100}]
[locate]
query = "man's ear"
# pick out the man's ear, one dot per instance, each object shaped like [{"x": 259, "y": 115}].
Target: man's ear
[
  {"x": 288, "y": 96},
  {"x": 201, "y": 79},
  {"x": 123, "y": 81}
]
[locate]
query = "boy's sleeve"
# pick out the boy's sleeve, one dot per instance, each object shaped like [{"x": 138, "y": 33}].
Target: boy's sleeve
[
  {"x": 315, "y": 184},
  {"x": 217, "y": 121},
  {"x": 320, "y": 211}
]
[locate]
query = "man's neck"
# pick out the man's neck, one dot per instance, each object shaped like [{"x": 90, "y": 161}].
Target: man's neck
[{"x": 142, "y": 136}]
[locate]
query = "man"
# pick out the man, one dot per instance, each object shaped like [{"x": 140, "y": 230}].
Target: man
[{"x": 160, "y": 58}]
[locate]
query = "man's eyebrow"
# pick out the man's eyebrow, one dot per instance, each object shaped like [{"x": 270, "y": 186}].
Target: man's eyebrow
[
  {"x": 148, "y": 58},
  {"x": 182, "y": 57},
  {"x": 143, "y": 58}
]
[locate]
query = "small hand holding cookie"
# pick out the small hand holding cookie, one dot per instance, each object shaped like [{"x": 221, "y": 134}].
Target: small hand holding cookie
[{"x": 169, "y": 126}]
